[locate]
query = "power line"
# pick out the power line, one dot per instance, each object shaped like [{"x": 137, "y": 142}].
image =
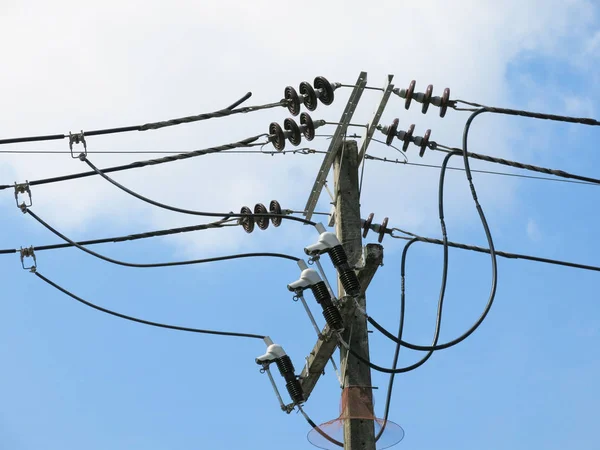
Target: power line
[
  {"x": 519, "y": 165},
  {"x": 182, "y": 210},
  {"x": 248, "y": 142},
  {"x": 146, "y": 322},
  {"x": 130, "y": 237},
  {"x": 153, "y": 265},
  {"x": 230, "y": 110}
]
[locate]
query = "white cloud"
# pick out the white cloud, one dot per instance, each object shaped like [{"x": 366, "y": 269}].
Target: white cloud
[
  {"x": 122, "y": 63},
  {"x": 533, "y": 231}
]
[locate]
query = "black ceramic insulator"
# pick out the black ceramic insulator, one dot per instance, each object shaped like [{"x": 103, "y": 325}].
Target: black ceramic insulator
[
  {"x": 293, "y": 101},
  {"x": 309, "y": 96},
  {"x": 276, "y": 136},
  {"x": 261, "y": 221},
  {"x": 294, "y": 135},
  {"x": 321, "y": 292},
  {"x": 324, "y": 89},
  {"x": 294, "y": 388},
  {"x": 247, "y": 219},
  {"x": 307, "y": 126},
  {"x": 333, "y": 318},
  {"x": 285, "y": 366},
  {"x": 275, "y": 208},
  {"x": 350, "y": 282},
  {"x": 338, "y": 256}
]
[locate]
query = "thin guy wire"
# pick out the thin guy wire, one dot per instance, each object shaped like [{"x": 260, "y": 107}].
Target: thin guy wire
[
  {"x": 524, "y": 166},
  {"x": 488, "y": 172},
  {"x": 300, "y": 151},
  {"x": 154, "y": 265},
  {"x": 248, "y": 142},
  {"x": 142, "y": 321}
]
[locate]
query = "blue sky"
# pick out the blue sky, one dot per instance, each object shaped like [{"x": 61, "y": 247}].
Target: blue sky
[{"x": 74, "y": 378}]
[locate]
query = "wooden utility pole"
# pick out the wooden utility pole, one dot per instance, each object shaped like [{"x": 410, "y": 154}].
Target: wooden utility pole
[{"x": 358, "y": 434}]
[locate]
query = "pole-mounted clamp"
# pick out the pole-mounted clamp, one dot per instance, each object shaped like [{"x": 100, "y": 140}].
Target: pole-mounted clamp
[
  {"x": 23, "y": 188},
  {"x": 28, "y": 253},
  {"x": 77, "y": 138}
]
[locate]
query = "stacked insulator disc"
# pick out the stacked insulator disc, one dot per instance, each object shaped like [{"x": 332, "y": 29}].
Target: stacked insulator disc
[
  {"x": 407, "y": 137},
  {"x": 425, "y": 98},
  {"x": 292, "y": 131},
  {"x": 321, "y": 90},
  {"x": 260, "y": 216}
]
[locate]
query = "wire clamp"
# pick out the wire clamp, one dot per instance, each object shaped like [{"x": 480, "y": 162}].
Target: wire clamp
[
  {"x": 77, "y": 138},
  {"x": 23, "y": 188},
  {"x": 28, "y": 253}
]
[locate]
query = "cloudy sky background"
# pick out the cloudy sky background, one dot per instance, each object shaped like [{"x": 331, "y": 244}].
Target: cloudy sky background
[{"x": 76, "y": 379}]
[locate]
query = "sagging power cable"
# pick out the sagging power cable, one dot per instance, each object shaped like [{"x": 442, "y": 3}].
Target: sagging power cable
[
  {"x": 142, "y": 321},
  {"x": 84, "y": 158},
  {"x": 154, "y": 265}
]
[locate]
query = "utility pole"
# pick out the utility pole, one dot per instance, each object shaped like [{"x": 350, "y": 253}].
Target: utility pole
[{"x": 359, "y": 434}]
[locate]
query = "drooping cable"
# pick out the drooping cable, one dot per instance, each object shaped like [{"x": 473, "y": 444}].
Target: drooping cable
[
  {"x": 388, "y": 399},
  {"x": 84, "y": 158},
  {"x": 142, "y": 321},
  {"x": 492, "y": 253},
  {"x": 230, "y": 110},
  {"x": 153, "y": 265},
  {"x": 398, "y": 339},
  {"x": 318, "y": 429}
]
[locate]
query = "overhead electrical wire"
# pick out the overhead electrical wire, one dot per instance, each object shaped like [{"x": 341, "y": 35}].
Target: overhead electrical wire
[
  {"x": 465, "y": 154},
  {"x": 507, "y": 255},
  {"x": 182, "y": 210},
  {"x": 142, "y": 321},
  {"x": 492, "y": 253},
  {"x": 248, "y": 142},
  {"x": 131, "y": 237},
  {"x": 153, "y": 265},
  {"x": 519, "y": 165},
  {"x": 230, "y": 110}
]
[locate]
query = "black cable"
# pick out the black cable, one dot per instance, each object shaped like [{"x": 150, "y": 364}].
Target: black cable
[
  {"x": 532, "y": 115},
  {"x": 130, "y": 237},
  {"x": 503, "y": 254},
  {"x": 230, "y": 110},
  {"x": 296, "y": 151},
  {"x": 318, "y": 429},
  {"x": 146, "y": 322},
  {"x": 524, "y": 166},
  {"x": 492, "y": 253},
  {"x": 248, "y": 142},
  {"x": 166, "y": 264},
  {"x": 488, "y": 172},
  {"x": 181, "y": 210},
  {"x": 388, "y": 400}
]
